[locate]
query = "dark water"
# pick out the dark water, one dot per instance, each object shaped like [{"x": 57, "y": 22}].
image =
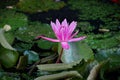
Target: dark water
[{"x": 52, "y": 15}]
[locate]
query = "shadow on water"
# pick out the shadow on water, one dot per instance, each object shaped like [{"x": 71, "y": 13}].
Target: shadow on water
[{"x": 52, "y": 15}]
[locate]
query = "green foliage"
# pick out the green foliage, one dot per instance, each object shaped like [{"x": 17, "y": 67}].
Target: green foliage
[
  {"x": 27, "y": 34},
  {"x": 103, "y": 41},
  {"x": 22, "y": 46},
  {"x": 97, "y": 10},
  {"x": 93, "y": 9},
  {"x": 10, "y": 37},
  {"x": 8, "y": 57},
  {"x": 12, "y": 18},
  {"x": 32, "y": 6},
  {"x": 85, "y": 27}
]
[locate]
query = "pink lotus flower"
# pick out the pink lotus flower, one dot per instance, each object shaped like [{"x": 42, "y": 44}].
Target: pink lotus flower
[{"x": 64, "y": 33}]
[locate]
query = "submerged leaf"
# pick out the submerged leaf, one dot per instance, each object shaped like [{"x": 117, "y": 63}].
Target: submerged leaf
[{"x": 32, "y": 56}]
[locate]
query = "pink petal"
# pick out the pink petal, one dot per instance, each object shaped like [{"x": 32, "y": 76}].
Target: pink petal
[
  {"x": 64, "y": 23},
  {"x": 65, "y": 45},
  {"x": 54, "y": 27},
  {"x": 72, "y": 26},
  {"x": 58, "y": 23},
  {"x": 49, "y": 39},
  {"x": 77, "y": 39}
]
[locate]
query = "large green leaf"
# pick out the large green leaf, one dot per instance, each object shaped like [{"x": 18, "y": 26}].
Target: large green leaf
[
  {"x": 12, "y": 18},
  {"x": 77, "y": 51},
  {"x": 8, "y": 58},
  {"x": 27, "y": 34},
  {"x": 103, "y": 41}
]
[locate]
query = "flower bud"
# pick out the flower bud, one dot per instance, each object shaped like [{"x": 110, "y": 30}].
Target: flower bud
[{"x": 7, "y": 27}]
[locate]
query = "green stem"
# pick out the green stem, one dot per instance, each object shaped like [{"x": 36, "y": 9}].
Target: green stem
[{"x": 58, "y": 60}]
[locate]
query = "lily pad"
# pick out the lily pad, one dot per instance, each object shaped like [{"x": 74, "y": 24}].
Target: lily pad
[
  {"x": 103, "y": 41},
  {"x": 12, "y": 18},
  {"x": 10, "y": 37},
  {"x": 8, "y": 57},
  {"x": 43, "y": 5},
  {"x": 77, "y": 52},
  {"x": 35, "y": 29}
]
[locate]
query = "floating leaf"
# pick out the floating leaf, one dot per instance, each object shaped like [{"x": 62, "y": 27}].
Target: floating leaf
[
  {"x": 76, "y": 52},
  {"x": 8, "y": 57},
  {"x": 103, "y": 41},
  {"x": 13, "y": 18},
  {"x": 38, "y": 7},
  {"x": 4, "y": 42},
  {"x": 27, "y": 34}
]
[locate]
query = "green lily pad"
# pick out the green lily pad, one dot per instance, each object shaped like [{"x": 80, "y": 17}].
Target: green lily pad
[
  {"x": 8, "y": 57},
  {"x": 103, "y": 41},
  {"x": 43, "y": 5},
  {"x": 77, "y": 52},
  {"x": 85, "y": 26},
  {"x": 35, "y": 29},
  {"x": 12, "y": 18},
  {"x": 10, "y": 37}
]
